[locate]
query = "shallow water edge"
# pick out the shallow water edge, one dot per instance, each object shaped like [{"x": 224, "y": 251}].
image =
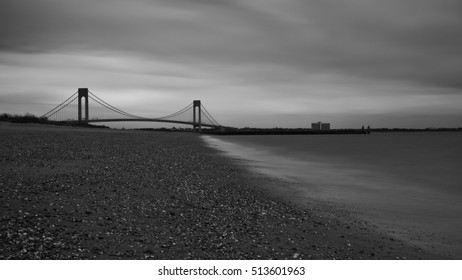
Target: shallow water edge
[{"x": 395, "y": 205}]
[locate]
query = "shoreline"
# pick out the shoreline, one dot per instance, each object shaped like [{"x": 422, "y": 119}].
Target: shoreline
[
  {"x": 75, "y": 193},
  {"x": 264, "y": 157}
]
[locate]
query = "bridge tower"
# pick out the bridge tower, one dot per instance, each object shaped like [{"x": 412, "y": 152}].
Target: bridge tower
[
  {"x": 83, "y": 93},
  {"x": 197, "y": 124}
]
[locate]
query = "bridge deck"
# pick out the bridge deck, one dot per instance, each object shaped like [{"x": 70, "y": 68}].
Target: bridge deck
[{"x": 147, "y": 120}]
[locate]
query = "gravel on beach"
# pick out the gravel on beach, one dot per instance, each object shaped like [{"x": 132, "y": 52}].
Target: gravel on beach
[{"x": 81, "y": 193}]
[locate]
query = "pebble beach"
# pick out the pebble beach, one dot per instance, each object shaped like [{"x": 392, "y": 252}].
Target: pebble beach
[{"x": 92, "y": 193}]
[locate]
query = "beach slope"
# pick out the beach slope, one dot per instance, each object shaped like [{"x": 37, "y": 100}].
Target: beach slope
[{"x": 80, "y": 193}]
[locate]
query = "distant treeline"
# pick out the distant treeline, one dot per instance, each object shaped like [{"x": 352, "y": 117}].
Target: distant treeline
[
  {"x": 295, "y": 131},
  {"x": 27, "y": 118},
  {"x": 164, "y": 129},
  {"x": 281, "y": 131},
  {"x": 430, "y": 129},
  {"x": 30, "y": 118}
]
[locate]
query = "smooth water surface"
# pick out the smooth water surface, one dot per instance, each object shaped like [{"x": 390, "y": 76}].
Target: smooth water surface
[{"x": 407, "y": 184}]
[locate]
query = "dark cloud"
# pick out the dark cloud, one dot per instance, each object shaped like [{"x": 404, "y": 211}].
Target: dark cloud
[{"x": 420, "y": 41}]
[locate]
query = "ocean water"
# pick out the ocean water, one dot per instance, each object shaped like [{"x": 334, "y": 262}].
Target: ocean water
[{"x": 408, "y": 185}]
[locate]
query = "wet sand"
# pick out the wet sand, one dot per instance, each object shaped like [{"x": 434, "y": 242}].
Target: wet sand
[{"x": 79, "y": 193}]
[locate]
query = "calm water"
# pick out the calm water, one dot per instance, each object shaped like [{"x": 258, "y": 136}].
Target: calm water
[{"x": 407, "y": 184}]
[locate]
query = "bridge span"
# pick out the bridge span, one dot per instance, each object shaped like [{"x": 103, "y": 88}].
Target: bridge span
[
  {"x": 150, "y": 120},
  {"x": 73, "y": 110}
]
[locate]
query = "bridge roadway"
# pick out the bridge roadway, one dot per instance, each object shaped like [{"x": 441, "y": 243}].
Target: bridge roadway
[{"x": 146, "y": 120}]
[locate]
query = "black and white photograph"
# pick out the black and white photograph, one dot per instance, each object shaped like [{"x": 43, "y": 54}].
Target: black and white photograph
[{"x": 251, "y": 130}]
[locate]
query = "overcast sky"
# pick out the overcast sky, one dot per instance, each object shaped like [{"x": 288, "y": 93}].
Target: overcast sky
[{"x": 265, "y": 63}]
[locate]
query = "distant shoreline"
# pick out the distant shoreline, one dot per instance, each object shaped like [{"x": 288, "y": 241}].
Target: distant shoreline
[
  {"x": 29, "y": 118},
  {"x": 303, "y": 131}
]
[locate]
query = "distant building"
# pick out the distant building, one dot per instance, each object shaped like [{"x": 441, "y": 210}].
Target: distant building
[
  {"x": 325, "y": 126},
  {"x": 316, "y": 126},
  {"x": 320, "y": 126}
]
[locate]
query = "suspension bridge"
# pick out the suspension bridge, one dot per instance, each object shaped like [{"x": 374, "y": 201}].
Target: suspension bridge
[{"x": 72, "y": 110}]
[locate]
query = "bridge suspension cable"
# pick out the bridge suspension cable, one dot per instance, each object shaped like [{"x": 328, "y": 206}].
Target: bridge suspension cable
[
  {"x": 119, "y": 111},
  {"x": 103, "y": 103},
  {"x": 184, "y": 110},
  {"x": 209, "y": 116},
  {"x": 61, "y": 106}
]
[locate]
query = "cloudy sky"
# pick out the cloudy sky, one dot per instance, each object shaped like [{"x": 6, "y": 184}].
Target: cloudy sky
[{"x": 265, "y": 63}]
